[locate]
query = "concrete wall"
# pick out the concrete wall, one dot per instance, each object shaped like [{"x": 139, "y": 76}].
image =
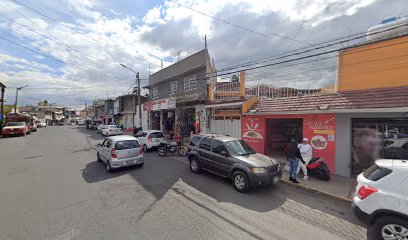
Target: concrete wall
[
  {"x": 191, "y": 62},
  {"x": 164, "y": 87},
  {"x": 343, "y": 137}
]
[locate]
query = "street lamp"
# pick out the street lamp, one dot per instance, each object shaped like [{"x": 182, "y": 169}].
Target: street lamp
[{"x": 138, "y": 96}]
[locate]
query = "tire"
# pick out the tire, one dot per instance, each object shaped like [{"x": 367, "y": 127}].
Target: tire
[
  {"x": 108, "y": 167},
  {"x": 139, "y": 165},
  {"x": 98, "y": 158},
  {"x": 240, "y": 181},
  {"x": 375, "y": 230},
  {"x": 145, "y": 149},
  {"x": 195, "y": 165},
  {"x": 162, "y": 152},
  {"x": 181, "y": 151}
]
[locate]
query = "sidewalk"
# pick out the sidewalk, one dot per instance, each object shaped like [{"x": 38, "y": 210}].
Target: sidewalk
[{"x": 341, "y": 188}]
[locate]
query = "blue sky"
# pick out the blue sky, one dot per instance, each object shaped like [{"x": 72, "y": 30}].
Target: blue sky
[{"x": 76, "y": 59}]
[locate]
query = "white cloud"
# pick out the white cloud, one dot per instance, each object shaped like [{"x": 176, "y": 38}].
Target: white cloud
[{"x": 127, "y": 33}]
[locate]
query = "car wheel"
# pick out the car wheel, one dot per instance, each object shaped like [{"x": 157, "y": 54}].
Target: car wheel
[
  {"x": 162, "y": 152},
  {"x": 388, "y": 227},
  {"x": 240, "y": 181},
  {"x": 98, "y": 158},
  {"x": 182, "y": 152},
  {"x": 145, "y": 149},
  {"x": 108, "y": 166},
  {"x": 195, "y": 165},
  {"x": 139, "y": 165}
]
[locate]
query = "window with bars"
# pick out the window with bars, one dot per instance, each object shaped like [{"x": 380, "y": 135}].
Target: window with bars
[
  {"x": 190, "y": 83},
  {"x": 155, "y": 93},
  {"x": 173, "y": 89}
]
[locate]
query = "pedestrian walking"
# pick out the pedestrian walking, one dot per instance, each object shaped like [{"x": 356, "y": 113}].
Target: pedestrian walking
[
  {"x": 306, "y": 152},
  {"x": 293, "y": 156}
]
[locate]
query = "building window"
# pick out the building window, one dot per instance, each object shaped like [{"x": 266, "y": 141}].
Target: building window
[
  {"x": 190, "y": 83},
  {"x": 173, "y": 89},
  {"x": 155, "y": 93}
]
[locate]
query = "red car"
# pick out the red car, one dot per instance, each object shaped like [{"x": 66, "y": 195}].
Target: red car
[{"x": 15, "y": 128}]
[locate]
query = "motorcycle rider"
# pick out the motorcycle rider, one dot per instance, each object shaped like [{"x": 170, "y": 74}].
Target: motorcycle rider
[{"x": 306, "y": 152}]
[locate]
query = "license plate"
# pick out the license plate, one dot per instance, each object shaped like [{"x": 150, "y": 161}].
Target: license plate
[{"x": 275, "y": 179}]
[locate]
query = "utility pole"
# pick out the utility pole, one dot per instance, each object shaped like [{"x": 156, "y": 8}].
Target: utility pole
[
  {"x": 3, "y": 88},
  {"x": 137, "y": 81},
  {"x": 139, "y": 102},
  {"x": 15, "y": 104}
]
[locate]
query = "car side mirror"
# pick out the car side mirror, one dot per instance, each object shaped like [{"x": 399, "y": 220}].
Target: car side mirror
[{"x": 224, "y": 153}]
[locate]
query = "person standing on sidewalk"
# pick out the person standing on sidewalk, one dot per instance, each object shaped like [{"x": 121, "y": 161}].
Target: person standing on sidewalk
[
  {"x": 306, "y": 152},
  {"x": 293, "y": 156}
]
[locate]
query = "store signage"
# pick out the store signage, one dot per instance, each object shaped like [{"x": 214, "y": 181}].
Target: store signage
[{"x": 161, "y": 104}]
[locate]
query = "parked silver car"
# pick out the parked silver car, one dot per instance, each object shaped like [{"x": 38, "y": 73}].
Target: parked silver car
[{"x": 120, "y": 151}]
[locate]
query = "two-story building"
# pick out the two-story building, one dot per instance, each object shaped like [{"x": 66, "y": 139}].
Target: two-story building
[
  {"x": 178, "y": 93},
  {"x": 363, "y": 119},
  {"x": 128, "y": 112},
  {"x": 109, "y": 109}
]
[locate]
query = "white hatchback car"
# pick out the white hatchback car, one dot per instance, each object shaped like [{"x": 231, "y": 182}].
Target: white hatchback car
[
  {"x": 110, "y": 130},
  {"x": 120, "y": 151},
  {"x": 150, "y": 139},
  {"x": 381, "y": 199}
]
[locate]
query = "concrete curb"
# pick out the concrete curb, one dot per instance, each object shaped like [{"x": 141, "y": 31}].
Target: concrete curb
[{"x": 314, "y": 190}]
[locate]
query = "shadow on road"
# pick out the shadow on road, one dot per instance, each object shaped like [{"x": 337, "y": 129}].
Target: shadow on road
[{"x": 159, "y": 175}]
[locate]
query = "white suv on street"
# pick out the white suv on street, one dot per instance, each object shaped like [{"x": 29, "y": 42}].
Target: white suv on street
[
  {"x": 381, "y": 199},
  {"x": 150, "y": 139},
  {"x": 110, "y": 130}
]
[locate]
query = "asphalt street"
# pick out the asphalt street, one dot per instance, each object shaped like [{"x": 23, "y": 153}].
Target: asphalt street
[{"x": 52, "y": 187}]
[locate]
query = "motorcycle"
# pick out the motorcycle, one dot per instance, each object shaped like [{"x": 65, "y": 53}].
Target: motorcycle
[
  {"x": 173, "y": 147},
  {"x": 318, "y": 168}
]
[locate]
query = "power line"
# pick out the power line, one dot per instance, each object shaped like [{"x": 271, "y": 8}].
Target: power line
[
  {"x": 49, "y": 56},
  {"x": 306, "y": 49},
  {"x": 93, "y": 39},
  {"x": 59, "y": 42},
  {"x": 240, "y": 27}
]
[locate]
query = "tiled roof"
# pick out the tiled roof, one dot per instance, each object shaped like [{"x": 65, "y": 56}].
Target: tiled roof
[{"x": 362, "y": 99}]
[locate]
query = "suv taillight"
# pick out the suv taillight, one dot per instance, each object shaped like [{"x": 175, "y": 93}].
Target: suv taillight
[
  {"x": 149, "y": 138},
  {"x": 365, "y": 191},
  {"x": 113, "y": 153},
  {"x": 141, "y": 150}
]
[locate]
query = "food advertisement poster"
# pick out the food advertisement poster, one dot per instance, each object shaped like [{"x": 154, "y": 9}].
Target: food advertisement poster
[
  {"x": 253, "y": 132},
  {"x": 320, "y": 129}
]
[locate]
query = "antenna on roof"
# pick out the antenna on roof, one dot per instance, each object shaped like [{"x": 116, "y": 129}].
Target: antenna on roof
[{"x": 205, "y": 41}]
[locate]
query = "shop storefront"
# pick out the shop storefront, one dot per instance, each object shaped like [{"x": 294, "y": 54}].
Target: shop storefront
[
  {"x": 269, "y": 134},
  {"x": 162, "y": 115}
]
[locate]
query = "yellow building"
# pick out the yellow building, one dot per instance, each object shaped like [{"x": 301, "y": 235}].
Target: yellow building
[{"x": 375, "y": 64}]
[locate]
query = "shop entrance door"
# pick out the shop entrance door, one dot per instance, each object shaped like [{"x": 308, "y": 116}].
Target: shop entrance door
[{"x": 279, "y": 132}]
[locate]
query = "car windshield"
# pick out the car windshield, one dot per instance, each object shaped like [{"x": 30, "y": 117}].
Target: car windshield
[
  {"x": 127, "y": 144},
  {"x": 239, "y": 148},
  {"x": 156, "y": 134},
  {"x": 15, "y": 124}
]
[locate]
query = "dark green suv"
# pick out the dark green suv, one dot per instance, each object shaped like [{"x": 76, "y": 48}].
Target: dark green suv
[{"x": 234, "y": 159}]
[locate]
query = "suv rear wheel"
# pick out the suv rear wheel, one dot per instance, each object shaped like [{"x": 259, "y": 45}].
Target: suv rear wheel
[
  {"x": 240, "y": 181},
  {"x": 195, "y": 165},
  {"x": 388, "y": 227}
]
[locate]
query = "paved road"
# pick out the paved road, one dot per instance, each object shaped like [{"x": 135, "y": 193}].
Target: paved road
[{"x": 51, "y": 187}]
